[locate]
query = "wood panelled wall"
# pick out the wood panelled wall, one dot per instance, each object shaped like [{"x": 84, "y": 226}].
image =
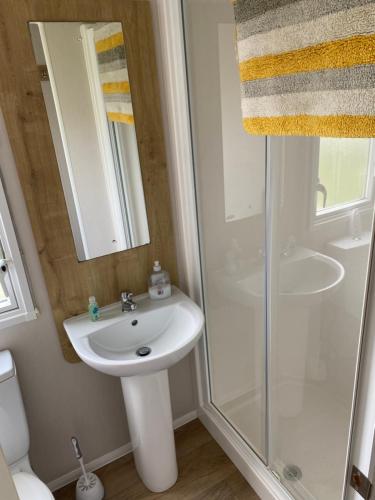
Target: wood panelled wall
[{"x": 70, "y": 282}]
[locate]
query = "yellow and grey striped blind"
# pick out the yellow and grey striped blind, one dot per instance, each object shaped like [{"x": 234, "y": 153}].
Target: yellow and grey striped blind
[
  {"x": 307, "y": 67},
  {"x": 113, "y": 72}
]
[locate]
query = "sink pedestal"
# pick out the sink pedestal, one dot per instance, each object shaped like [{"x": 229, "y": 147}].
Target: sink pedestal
[
  {"x": 169, "y": 328},
  {"x": 148, "y": 408}
]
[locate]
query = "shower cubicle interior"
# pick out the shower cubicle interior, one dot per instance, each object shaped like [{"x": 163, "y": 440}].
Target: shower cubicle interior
[{"x": 286, "y": 231}]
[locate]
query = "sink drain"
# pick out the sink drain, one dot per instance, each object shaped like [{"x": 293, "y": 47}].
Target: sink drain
[
  {"x": 143, "y": 351},
  {"x": 292, "y": 473}
]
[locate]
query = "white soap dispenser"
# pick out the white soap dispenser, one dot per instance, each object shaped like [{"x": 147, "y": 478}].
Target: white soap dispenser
[{"x": 159, "y": 284}]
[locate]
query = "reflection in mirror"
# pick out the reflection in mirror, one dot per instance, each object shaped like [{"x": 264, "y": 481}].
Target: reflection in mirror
[{"x": 85, "y": 84}]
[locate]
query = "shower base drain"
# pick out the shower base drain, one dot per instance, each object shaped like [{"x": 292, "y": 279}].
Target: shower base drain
[{"x": 292, "y": 473}]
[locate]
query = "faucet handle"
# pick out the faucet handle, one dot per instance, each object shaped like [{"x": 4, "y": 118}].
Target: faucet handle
[
  {"x": 126, "y": 296},
  {"x": 127, "y": 303}
]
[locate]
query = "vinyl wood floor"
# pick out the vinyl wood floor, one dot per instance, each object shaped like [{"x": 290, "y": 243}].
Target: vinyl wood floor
[{"x": 205, "y": 472}]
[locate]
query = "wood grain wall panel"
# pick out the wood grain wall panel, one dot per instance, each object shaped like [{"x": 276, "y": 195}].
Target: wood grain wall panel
[{"x": 70, "y": 282}]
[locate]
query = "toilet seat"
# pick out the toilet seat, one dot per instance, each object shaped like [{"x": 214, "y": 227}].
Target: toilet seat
[{"x": 29, "y": 487}]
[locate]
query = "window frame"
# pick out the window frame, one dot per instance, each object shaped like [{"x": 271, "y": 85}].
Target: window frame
[
  {"x": 23, "y": 308},
  {"x": 343, "y": 209}
]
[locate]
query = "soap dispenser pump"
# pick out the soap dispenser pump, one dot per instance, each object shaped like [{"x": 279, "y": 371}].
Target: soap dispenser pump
[{"x": 159, "y": 284}]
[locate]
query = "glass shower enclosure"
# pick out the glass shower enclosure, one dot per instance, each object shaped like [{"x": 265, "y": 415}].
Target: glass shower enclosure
[{"x": 286, "y": 226}]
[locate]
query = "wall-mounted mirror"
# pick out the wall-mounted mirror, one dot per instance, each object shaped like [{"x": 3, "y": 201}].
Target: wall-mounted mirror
[{"x": 85, "y": 84}]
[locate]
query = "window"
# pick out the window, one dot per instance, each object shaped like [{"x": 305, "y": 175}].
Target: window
[
  {"x": 16, "y": 303},
  {"x": 345, "y": 175}
]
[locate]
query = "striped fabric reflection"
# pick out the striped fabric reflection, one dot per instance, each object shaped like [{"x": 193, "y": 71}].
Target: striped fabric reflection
[{"x": 113, "y": 72}]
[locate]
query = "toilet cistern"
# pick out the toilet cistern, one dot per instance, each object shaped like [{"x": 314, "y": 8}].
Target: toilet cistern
[{"x": 14, "y": 434}]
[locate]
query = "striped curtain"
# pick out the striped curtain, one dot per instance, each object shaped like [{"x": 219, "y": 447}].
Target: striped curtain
[
  {"x": 307, "y": 67},
  {"x": 113, "y": 72}
]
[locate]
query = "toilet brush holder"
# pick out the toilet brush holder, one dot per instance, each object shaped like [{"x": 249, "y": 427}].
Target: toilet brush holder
[{"x": 89, "y": 486}]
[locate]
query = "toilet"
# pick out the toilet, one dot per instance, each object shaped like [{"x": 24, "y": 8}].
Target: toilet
[{"x": 14, "y": 434}]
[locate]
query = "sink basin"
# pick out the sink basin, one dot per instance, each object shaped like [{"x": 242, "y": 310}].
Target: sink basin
[
  {"x": 313, "y": 276},
  {"x": 139, "y": 347},
  {"x": 304, "y": 278},
  {"x": 170, "y": 327}
]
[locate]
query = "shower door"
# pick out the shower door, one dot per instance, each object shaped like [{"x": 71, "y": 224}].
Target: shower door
[
  {"x": 285, "y": 235},
  {"x": 319, "y": 231},
  {"x": 231, "y": 174}
]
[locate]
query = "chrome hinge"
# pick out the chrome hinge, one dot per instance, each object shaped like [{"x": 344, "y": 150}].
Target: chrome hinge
[{"x": 360, "y": 483}]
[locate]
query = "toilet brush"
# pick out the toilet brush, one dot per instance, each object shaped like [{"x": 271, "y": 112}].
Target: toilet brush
[{"x": 89, "y": 486}]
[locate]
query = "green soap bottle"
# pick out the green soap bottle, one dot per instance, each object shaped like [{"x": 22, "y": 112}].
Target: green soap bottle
[{"x": 94, "y": 312}]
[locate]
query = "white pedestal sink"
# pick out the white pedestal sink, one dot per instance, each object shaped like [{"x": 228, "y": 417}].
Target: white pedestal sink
[{"x": 169, "y": 328}]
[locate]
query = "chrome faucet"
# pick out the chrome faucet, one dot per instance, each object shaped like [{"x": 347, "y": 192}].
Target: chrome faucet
[{"x": 127, "y": 303}]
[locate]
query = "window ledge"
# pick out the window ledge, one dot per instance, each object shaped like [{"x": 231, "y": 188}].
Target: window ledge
[{"x": 16, "y": 318}]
